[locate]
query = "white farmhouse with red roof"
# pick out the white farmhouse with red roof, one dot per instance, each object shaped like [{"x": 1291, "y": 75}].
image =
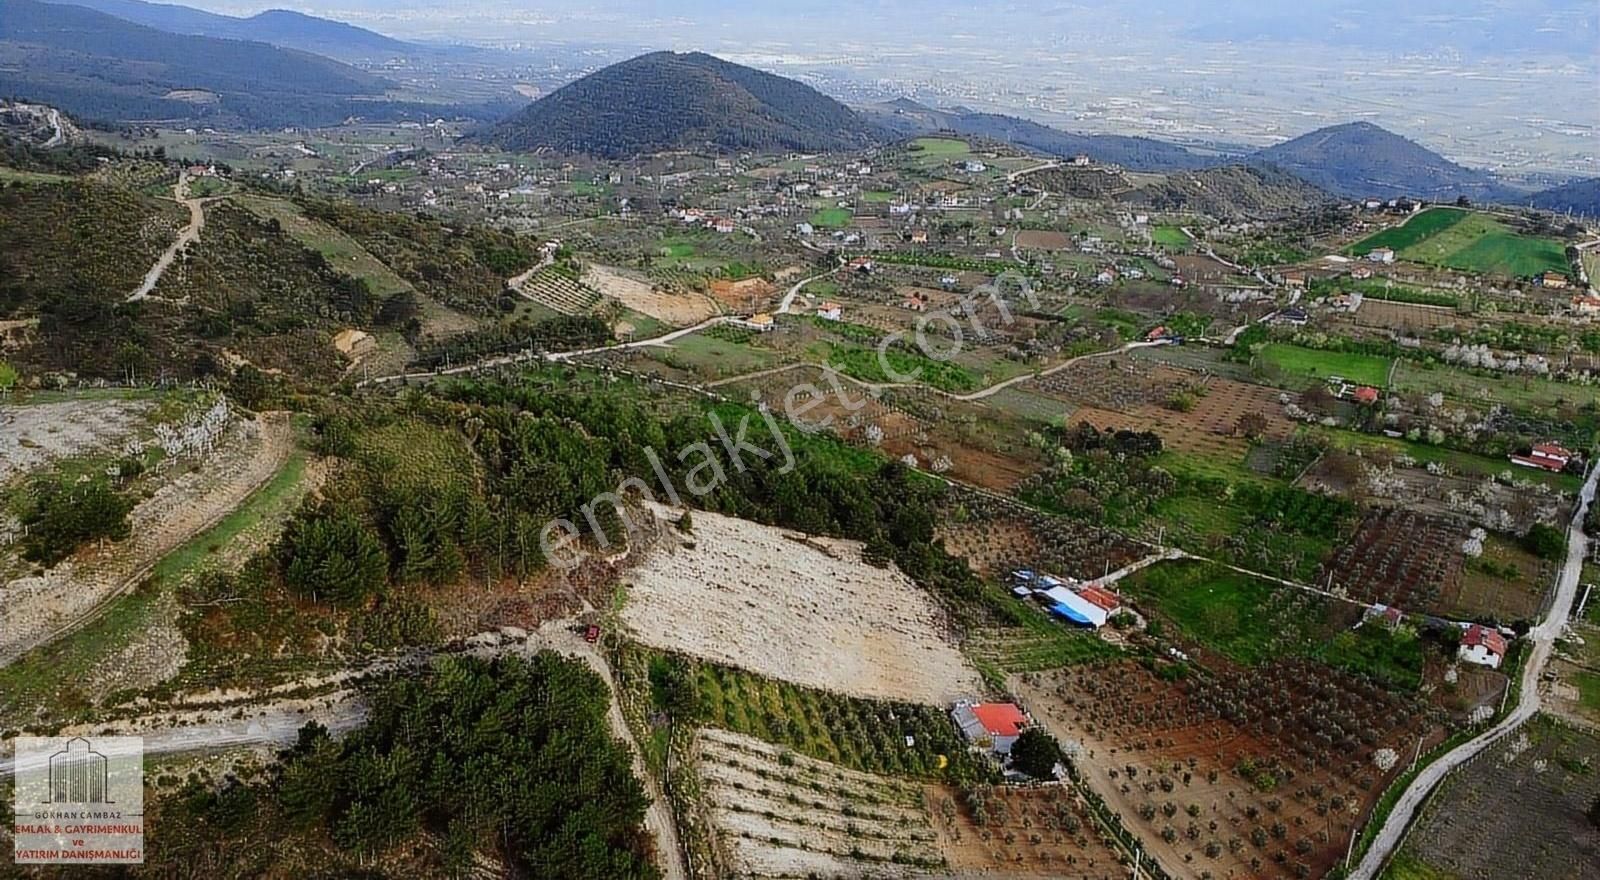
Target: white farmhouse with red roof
[
  {"x": 996, "y": 725},
  {"x": 1483, "y": 646},
  {"x": 1546, "y": 456}
]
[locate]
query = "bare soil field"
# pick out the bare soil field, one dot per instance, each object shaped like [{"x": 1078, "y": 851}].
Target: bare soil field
[
  {"x": 775, "y": 813},
  {"x": 34, "y": 608},
  {"x": 1399, "y": 557},
  {"x": 32, "y": 435},
  {"x": 1517, "y": 810},
  {"x": 1044, "y": 240},
  {"x": 1404, "y": 318},
  {"x": 637, "y": 293},
  {"x": 798, "y": 608},
  {"x": 1009, "y": 831},
  {"x": 1244, "y": 773}
]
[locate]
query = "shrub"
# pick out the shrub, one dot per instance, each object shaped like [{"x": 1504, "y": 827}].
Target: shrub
[{"x": 65, "y": 516}]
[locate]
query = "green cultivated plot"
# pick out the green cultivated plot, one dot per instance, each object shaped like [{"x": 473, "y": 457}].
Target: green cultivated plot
[
  {"x": 930, "y": 146},
  {"x": 831, "y": 218},
  {"x": 1362, "y": 369},
  {"x": 1420, "y": 227},
  {"x": 1169, "y": 236},
  {"x": 1469, "y": 241}
]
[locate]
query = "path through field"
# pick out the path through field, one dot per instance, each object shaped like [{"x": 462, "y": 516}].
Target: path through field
[
  {"x": 1542, "y": 642},
  {"x": 197, "y": 222}
]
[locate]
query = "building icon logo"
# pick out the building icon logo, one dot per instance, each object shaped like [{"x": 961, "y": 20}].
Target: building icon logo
[
  {"x": 79, "y": 775},
  {"x": 76, "y": 800}
]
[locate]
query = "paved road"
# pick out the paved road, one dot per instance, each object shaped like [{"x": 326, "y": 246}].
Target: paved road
[{"x": 1542, "y": 641}]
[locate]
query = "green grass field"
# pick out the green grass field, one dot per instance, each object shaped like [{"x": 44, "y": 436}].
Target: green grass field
[
  {"x": 877, "y": 196},
  {"x": 1470, "y": 241},
  {"x": 1408, "y": 867},
  {"x": 1361, "y": 369},
  {"x": 1169, "y": 237},
  {"x": 1420, "y": 227},
  {"x": 831, "y": 218},
  {"x": 933, "y": 146},
  {"x": 1217, "y": 607}
]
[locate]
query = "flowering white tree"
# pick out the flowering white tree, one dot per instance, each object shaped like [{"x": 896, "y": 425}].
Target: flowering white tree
[{"x": 1385, "y": 759}]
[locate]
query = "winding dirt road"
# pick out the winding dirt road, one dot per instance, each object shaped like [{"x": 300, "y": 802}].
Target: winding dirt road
[{"x": 197, "y": 222}]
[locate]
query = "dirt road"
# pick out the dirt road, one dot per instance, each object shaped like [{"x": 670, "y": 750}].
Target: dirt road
[
  {"x": 197, "y": 222},
  {"x": 39, "y": 609},
  {"x": 278, "y": 723},
  {"x": 1542, "y": 641}
]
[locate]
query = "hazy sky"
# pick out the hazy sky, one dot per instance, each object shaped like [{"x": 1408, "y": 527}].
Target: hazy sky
[{"x": 1503, "y": 83}]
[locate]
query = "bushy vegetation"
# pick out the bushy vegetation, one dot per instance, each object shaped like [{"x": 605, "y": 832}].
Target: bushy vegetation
[
  {"x": 511, "y": 757},
  {"x": 462, "y": 267},
  {"x": 64, "y": 516},
  {"x": 866, "y": 735}
]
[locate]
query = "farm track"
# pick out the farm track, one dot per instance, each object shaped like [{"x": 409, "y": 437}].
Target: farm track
[
  {"x": 146, "y": 547},
  {"x": 197, "y": 222},
  {"x": 1543, "y": 639}
]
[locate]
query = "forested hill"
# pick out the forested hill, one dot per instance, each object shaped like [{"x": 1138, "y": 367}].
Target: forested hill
[
  {"x": 1360, "y": 159},
  {"x": 1579, "y": 197},
  {"x": 101, "y": 68},
  {"x": 668, "y": 101},
  {"x": 1232, "y": 191},
  {"x": 280, "y": 27}
]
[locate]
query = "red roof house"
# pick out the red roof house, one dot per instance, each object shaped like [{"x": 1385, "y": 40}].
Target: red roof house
[
  {"x": 1546, "y": 456},
  {"x": 1366, "y": 395},
  {"x": 997, "y": 724},
  {"x": 1483, "y": 646}
]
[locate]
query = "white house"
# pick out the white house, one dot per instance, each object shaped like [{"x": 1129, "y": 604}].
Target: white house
[
  {"x": 1381, "y": 255},
  {"x": 1482, "y": 646},
  {"x": 830, "y": 311}
]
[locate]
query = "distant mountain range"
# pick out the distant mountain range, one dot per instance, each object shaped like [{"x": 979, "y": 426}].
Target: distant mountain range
[
  {"x": 670, "y": 101},
  {"x": 1579, "y": 197},
  {"x": 102, "y": 68},
  {"x": 906, "y": 118},
  {"x": 280, "y": 27}
]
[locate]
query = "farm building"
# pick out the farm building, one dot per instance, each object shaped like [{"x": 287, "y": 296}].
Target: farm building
[
  {"x": 1104, "y": 599},
  {"x": 1554, "y": 281},
  {"x": 760, "y": 323},
  {"x": 830, "y": 311},
  {"x": 1545, "y": 456},
  {"x": 1483, "y": 646},
  {"x": 1074, "y": 608},
  {"x": 1381, "y": 255},
  {"x": 995, "y": 725}
]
